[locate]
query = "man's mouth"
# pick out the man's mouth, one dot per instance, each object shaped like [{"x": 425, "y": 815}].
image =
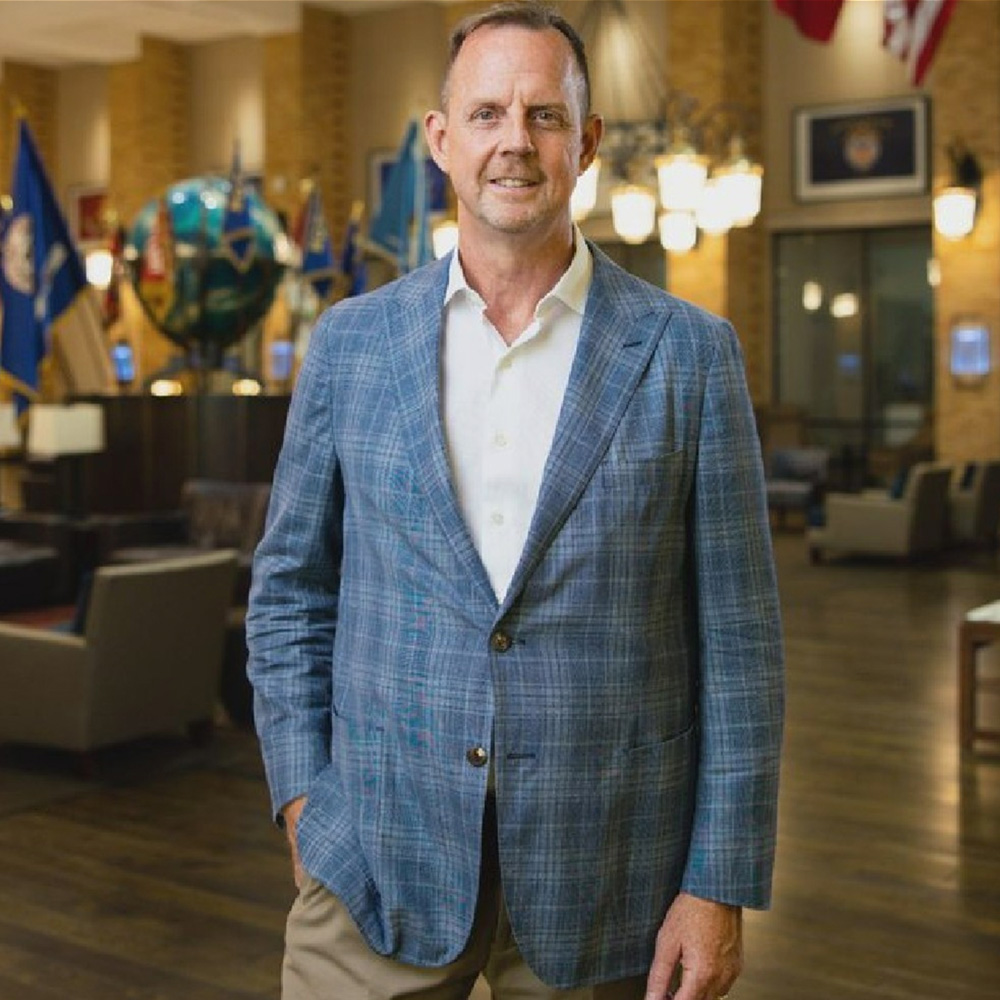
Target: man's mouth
[{"x": 513, "y": 182}]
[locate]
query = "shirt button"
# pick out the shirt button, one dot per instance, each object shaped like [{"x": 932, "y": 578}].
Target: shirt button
[
  {"x": 477, "y": 756},
  {"x": 496, "y": 517},
  {"x": 500, "y": 642},
  {"x": 500, "y": 439}
]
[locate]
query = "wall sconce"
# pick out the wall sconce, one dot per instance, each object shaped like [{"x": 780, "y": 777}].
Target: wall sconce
[{"x": 955, "y": 207}]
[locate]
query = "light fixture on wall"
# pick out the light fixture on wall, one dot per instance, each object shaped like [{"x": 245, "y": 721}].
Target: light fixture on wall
[
  {"x": 687, "y": 171},
  {"x": 956, "y": 206}
]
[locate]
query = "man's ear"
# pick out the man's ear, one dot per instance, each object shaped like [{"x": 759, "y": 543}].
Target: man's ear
[
  {"x": 593, "y": 131},
  {"x": 436, "y": 132}
]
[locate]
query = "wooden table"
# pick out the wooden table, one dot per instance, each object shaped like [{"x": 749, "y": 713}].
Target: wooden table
[{"x": 973, "y": 636}]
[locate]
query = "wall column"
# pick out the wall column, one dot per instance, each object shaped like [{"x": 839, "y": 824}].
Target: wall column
[
  {"x": 965, "y": 88},
  {"x": 306, "y": 128},
  {"x": 148, "y": 104},
  {"x": 714, "y": 53}
]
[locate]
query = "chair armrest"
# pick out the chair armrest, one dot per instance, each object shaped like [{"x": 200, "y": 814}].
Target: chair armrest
[{"x": 44, "y": 677}]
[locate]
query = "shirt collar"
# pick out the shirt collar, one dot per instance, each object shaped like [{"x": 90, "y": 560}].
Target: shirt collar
[{"x": 571, "y": 289}]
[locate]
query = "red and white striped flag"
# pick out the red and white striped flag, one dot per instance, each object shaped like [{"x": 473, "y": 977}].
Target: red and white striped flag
[
  {"x": 815, "y": 19},
  {"x": 912, "y": 30}
]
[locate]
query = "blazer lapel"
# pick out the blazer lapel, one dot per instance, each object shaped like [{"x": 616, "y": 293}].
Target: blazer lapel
[
  {"x": 621, "y": 327},
  {"x": 413, "y": 318}
]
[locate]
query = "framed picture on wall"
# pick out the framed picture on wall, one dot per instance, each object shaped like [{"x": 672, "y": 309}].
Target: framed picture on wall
[
  {"x": 85, "y": 209},
  {"x": 873, "y": 149}
]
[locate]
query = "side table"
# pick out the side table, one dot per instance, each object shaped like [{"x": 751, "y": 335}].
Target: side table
[{"x": 973, "y": 635}]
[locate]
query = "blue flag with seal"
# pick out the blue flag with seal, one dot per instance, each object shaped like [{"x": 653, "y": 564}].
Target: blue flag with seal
[
  {"x": 400, "y": 228},
  {"x": 317, "y": 249},
  {"x": 238, "y": 241},
  {"x": 47, "y": 304}
]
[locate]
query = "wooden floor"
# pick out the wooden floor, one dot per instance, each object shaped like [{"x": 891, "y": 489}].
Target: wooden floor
[{"x": 165, "y": 881}]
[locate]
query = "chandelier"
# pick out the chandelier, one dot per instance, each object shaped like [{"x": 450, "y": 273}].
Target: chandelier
[{"x": 673, "y": 168}]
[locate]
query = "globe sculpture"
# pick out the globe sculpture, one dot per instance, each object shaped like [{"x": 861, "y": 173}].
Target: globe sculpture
[{"x": 205, "y": 267}]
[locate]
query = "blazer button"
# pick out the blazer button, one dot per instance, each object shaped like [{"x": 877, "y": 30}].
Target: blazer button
[
  {"x": 500, "y": 641},
  {"x": 477, "y": 756}
]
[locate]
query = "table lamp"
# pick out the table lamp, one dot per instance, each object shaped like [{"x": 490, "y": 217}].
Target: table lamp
[{"x": 66, "y": 433}]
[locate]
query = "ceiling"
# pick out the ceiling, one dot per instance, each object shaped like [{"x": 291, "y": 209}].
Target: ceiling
[{"x": 57, "y": 33}]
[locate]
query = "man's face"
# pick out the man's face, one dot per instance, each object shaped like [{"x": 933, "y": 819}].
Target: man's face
[{"x": 512, "y": 140}]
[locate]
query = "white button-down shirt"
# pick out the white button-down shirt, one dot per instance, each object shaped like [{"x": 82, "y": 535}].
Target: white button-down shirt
[{"x": 500, "y": 407}]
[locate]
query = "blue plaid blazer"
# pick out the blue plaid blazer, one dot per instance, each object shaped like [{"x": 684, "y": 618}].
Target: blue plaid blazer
[{"x": 636, "y": 715}]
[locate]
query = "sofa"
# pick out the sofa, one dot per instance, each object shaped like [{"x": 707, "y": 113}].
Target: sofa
[{"x": 876, "y": 522}]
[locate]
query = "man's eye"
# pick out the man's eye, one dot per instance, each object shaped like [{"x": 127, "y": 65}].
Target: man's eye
[
  {"x": 484, "y": 115},
  {"x": 546, "y": 116}
]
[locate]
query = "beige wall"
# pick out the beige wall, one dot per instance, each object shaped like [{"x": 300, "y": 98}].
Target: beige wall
[
  {"x": 397, "y": 61},
  {"x": 226, "y": 104},
  {"x": 800, "y": 72},
  {"x": 84, "y": 136}
]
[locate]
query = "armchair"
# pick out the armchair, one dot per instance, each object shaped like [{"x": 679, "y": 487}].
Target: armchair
[
  {"x": 796, "y": 479},
  {"x": 876, "y": 523},
  {"x": 148, "y": 661},
  {"x": 974, "y": 511}
]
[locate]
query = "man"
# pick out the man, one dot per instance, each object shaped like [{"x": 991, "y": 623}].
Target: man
[{"x": 514, "y": 628}]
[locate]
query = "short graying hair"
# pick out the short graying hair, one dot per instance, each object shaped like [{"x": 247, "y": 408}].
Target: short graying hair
[{"x": 530, "y": 14}]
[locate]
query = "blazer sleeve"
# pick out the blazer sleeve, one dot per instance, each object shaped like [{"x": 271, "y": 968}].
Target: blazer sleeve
[
  {"x": 292, "y": 613},
  {"x": 741, "y": 688}
]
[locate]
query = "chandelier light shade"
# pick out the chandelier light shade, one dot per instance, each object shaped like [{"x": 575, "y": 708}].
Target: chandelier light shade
[
  {"x": 712, "y": 213},
  {"x": 657, "y": 143},
  {"x": 633, "y": 212},
  {"x": 584, "y": 197},
  {"x": 955, "y": 212},
  {"x": 678, "y": 231},
  {"x": 681, "y": 177}
]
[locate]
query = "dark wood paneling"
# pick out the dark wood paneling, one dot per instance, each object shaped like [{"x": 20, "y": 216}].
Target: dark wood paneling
[{"x": 154, "y": 445}]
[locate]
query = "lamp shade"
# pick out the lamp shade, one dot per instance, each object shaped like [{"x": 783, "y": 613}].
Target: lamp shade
[
  {"x": 955, "y": 212},
  {"x": 678, "y": 232},
  {"x": 585, "y": 193},
  {"x": 444, "y": 237},
  {"x": 10, "y": 435},
  {"x": 53, "y": 430},
  {"x": 681, "y": 177},
  {"x": 633, "y": 212}
]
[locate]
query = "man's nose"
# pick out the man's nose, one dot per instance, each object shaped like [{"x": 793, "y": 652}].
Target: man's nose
[{"x": 517, "y": 136}]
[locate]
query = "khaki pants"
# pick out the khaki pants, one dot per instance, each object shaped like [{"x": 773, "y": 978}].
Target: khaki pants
[{"x": 326, "y": 957}]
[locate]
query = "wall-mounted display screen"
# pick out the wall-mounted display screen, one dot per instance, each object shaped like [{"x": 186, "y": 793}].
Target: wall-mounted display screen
[{"x": 970, "y": 350}]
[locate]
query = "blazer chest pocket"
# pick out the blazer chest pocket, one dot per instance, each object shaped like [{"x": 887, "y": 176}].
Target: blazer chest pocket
[{"x": 635, "y": 471}]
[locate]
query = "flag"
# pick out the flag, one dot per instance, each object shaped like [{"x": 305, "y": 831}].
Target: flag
[
  {"x": 156, "y": 265},
  {"x": 912, "y": 30},
  {"x": 237, "y": 224},
  {"x": 352, "y": 262},
  {"x": 816, "y": 19},
  {"x": 112, "y": 304},
  {"x": 317, "y": 249},
  {"x": 47, "y": 304},
  {"x": 400, "y": 227}
]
